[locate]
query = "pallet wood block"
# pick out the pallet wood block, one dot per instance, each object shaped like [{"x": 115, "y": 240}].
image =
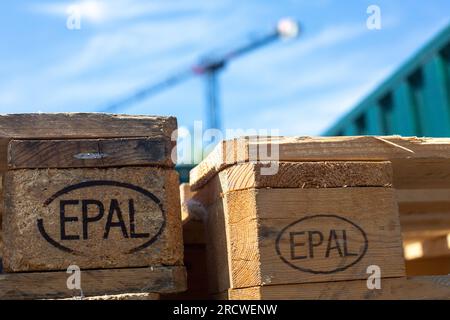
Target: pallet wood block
[
  {"x": 94, "y": 190},
  {"x": 267, "y": 236},
  {"x": 268, "y": 231},
  {"x": 93, "y": 218}
]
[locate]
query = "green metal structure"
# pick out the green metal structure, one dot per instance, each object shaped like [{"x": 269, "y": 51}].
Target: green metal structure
[
  {"x": 414, "y": 101},
  {"x": 183, "y": 171}
]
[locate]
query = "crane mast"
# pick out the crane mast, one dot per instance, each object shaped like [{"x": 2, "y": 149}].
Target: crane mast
[{"x": 210, "y": 67}]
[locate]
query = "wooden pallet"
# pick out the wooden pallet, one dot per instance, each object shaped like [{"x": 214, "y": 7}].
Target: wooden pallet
[
  {"x": 421, "y": 171},
  {"x": 52, "y": 285},
  {"x": 93, "y": 190},
  {"x": 348, "y": 177}
]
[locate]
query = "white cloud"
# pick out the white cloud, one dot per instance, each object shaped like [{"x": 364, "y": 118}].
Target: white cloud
[
  {"x": 119, "y": 59},
  {"x": 324, "y": 76},
  {"x": 308, "y": 117},
  {"x": 148, "y": 41},
  {"x": 300, "y": 55},
  {"x": 133, "y": 54},
  {"x": 130, "y": 52},
  {"x": 151, "y": 41},
  {"x": 312, "y": 115},
  {"x": 326, "y": 38}
]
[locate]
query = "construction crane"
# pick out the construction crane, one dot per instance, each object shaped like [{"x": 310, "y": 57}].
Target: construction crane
[{"x": 210, "y": 66}]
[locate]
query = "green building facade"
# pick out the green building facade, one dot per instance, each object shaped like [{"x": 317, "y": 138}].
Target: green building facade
[{"x": 414, "y": 101}]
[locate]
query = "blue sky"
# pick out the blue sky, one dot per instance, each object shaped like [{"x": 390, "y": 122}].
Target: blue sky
[{"x": 300, "y": 87}]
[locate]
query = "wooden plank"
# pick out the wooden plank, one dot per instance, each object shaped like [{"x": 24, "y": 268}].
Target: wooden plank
[
  {"x": 194, "y": 232},
  {"x": 123, "y": 296},
  {"x": 194, "y": 249},
  {"x": 319, "y": 174},
  {"x": 191, "y": 215},
  {"x": 94, "y": 218},
  {"x": 428, "y": 266},
  {"x": 419, "y": 226},
  {"x": 423, "y": 195},
  {"x": 428, "y": 248},
  {"x": 424, "y": 213},
  {"x": 1, "y": 203},
  {"x": 436, "y": 247},
  {"x": 191, "y": 208},
  {"x": 89, "y": 153},
  {"x": 1, "y": 250},
  {"x": 217, "y": 248},
  {"x": 185, "y": 196},
  {"x": 421, "y": 173},
  {"x": 80, "y": 126},
  {"x": 207, "y": 204},
  {"x": 414, "y": 159},
  {"x": 41, "y": 285},
  {"x": 245, "y": 255},
  {"x": 84, "y": 125},
  {"x": 418, "y": 288}
]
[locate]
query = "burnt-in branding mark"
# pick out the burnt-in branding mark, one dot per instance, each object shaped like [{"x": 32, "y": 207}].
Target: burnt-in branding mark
[
  {"x": 112, "y": 212},
  {"x": 321, "y": 244}
]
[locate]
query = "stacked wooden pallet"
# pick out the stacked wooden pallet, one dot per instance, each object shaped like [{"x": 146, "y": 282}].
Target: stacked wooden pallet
[
  {"x": 326, "y": 221},
  {"x": 94, "y": 191}
]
